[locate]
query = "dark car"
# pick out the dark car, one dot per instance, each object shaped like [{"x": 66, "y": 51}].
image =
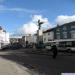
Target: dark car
[
  {"x": 16, "y": 46},
  {"x": 5, "y": 47}
]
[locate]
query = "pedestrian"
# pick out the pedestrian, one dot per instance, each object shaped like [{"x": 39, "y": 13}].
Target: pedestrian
[{"x": 54, "y": 50}]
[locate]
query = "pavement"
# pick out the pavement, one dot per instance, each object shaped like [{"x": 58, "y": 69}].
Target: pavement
[{"x": 11, "y": 68}]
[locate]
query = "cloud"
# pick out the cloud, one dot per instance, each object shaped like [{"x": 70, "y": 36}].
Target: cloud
[
  {"x": 62, "y": 19},
  {"x": 4, "y": 8},
  {"x": 39, "y": 17},
  {"x": 23, "y": 10},
  {"x": 32, "y": 26},
  {"x": 29, "y": 28}
]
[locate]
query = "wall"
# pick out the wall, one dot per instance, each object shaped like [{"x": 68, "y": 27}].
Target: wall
[
  {"x": 4, "y": 38},
  {"x": 48, "y": 36}
]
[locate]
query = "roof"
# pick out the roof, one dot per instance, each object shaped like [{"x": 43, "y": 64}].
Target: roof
[
  {"x": 50, "y": 29},
  {"x": 70, "y": 23}
]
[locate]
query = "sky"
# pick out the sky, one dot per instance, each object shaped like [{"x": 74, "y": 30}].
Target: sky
[{"x": 19, "y": 17}]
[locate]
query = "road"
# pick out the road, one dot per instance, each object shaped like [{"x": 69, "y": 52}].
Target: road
[{"x": 41, "y": 64}]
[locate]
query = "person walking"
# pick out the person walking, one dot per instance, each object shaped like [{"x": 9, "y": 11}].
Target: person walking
[{"x": 54, "y": 50}]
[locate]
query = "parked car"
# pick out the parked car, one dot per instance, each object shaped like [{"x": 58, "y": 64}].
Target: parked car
[
  {"x": 16, "y": 46},
  {"x": 5, "y": 47},
  {"x": 64, "y": 48},
  {"x": 47, "y": 46}
]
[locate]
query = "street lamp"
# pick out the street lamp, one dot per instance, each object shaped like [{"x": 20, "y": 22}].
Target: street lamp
[
  {"x": 39, "y": 34},
  {"x": 39, "y": 24}
]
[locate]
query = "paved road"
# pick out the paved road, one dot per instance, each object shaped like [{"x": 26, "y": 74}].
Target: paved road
[{"x": 42, "y": 64}]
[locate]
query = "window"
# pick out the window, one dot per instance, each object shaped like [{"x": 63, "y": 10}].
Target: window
[
  {"x": 64, "y": 28},
  {"x": 48, "y": 33},
  {"x": 58, "y": 35},
  {"x": 73, "y": 43},
  {"x": 73, "y": 34},
  {"x": 44, "y": 39},
  {"x": 49, "y": 39},
  {"x": 69, "y": 43},
  {"x": 51, "y": 36},
  {"x": 72, "y": 26},
  {"x": 64, "y": 34},
  {"x": 58, "y": 29}
]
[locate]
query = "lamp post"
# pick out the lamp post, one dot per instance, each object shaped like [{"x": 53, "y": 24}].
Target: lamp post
[
  {"x": 39, "y": 34},
  {"x": 39, "y": 24}
]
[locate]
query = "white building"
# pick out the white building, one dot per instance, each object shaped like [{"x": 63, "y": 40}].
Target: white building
[
  {"x": 48, "y": 35},
  {"x": 31, "y": 38},
  {"x": 4, "y": 37},
  {"x": 34, "y": 38}
]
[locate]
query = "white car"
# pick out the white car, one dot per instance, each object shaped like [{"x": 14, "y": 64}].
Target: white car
[
  {"x": 66, "y": 48},
  {"x": 48, "y": 47}
]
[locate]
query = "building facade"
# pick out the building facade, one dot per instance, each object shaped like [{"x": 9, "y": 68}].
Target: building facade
[
  {"x": 4, "y": 37},
  {"x": 48, "y": 35},
  {"x": 31, "y": 38},
  {"x": 28, "y": 40},
  {"x": 64, "y": 33}
]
